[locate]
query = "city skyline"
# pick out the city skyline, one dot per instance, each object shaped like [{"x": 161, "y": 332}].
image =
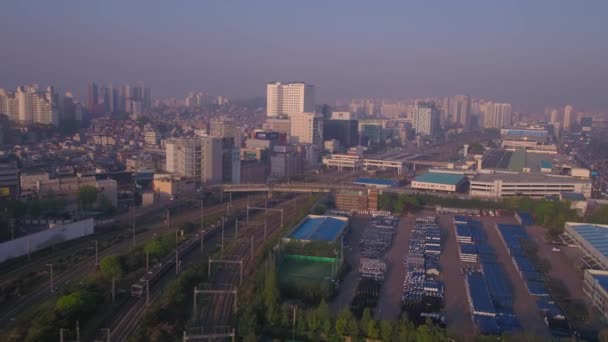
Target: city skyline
[{"x": 532, "y": 55}]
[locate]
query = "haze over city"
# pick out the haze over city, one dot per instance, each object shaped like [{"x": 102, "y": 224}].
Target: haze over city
[
  {"x": 530, "y": 53},
  {"x": 408, "y": 171}
]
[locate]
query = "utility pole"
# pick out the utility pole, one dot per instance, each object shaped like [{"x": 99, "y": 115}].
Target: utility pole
[
  {"x": 293, "y": 326},
  {"x": 147, "y": 292},
  {"x": 147, "y": 260},
  {"x": 265, "y": 226},
  {"x": 133, "y": 222},
  {"x": 61, "y": 334},
  {"x": 236, "y": 227},
  {"x": 223, "y": 220},
  {"x": 52, "y": 287},
  {"x": 113, "y": 289},
  {"x": 107, "y": 334},
  {"x": 96, "y": 255},
  {"x": 194, "y": 303},
  {"x": 78, "y": 331},
  {"x": 202, "y": 231},
  {"x": 251, "y": 246}
]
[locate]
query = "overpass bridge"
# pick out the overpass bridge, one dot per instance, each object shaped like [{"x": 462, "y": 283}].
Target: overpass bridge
[{"x": 290, "y": 187}]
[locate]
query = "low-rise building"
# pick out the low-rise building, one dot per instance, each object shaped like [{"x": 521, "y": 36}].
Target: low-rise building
[
  {"x": 595, "y": 287},
  {"x": 505, "y": 184},
  {"x": 168, "y": 187},
  {"x": 357, "y": 200},
  {"x": 593, "y": 242},
  {"x": 9, "y": 180}
]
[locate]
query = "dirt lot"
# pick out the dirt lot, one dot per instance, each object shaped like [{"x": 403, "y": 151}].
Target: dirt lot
[
  {"x": 352, "y": 254},
  {"x": 524, "y": 304},
  {"x": 457, "y": 313},
  {"x": 564, "y": 267}
]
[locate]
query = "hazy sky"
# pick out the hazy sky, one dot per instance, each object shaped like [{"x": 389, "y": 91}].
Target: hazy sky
[{"x": 532, "y": 53}]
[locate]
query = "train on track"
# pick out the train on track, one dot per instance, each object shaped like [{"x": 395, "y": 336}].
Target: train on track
[{"x": 139, "y": 288}]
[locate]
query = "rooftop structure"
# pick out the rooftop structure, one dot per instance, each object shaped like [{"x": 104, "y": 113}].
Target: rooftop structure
[
  {"x": 440, "y": 181},
  {"x": 593, "y": 240},
  {"x": 319, "y": 228},
  {"x": 380, "y": 183}
]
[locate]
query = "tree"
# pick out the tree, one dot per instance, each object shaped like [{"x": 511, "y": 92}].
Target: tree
[
  {"x": 105, "y": 205},
  {"x": 366, "y": 317},
  {"x": 271, "y": 296},
  {"x": 111, "y": 267},
  {"x": 600, "y": 215},
  {"x": 87, "y": 195},
  {"x": 372, "y": 330},
  {"x": 313, "y": 320},
  {"x": 387, "y": 330},
  {"x": 324, "y": 317},
  {"x": 407, "y": 331},
  {"x": 342, "y": 321},
  {"x": 603, "y": 335}
]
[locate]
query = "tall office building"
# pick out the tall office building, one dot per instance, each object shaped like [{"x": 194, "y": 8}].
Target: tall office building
[
  {"x": 343, "y": 127},
  {"x": 288, "y": 99},
  {"x": 92, "y": 96},
  {"x": 426, "y": 118},
  {"x": 306, "y": 128},
  {"x": 497, "y": 115},
  {"x": 568, "y": 117},
  {"x": 459, "y": 111},
  {"x": 198, "y": 158}
]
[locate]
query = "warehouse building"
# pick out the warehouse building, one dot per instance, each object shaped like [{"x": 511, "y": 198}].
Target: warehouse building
[
  {"x": 592, "y": 240},
  {"x": 595, "y": 286},
  {"x": 440, "y": 181},
  {"x": 504, "y": 184}
]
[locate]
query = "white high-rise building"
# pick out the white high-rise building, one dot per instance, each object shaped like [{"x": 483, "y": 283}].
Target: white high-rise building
[
  {"x": 28, "y": 105},
  {"x": 306, "y": 128},
  {"x": 568, "y": 117},
  {"x": 497, "y": 115},
  {"x": 199, "y": 158},
  {"x": 290, "y": 98},
  {"x": 554, "y": 117},
  {"x": 425, "y": 118}
]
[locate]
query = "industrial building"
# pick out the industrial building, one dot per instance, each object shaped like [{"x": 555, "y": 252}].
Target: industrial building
[
  {"x": 440, "y": 181},
  {"x": 592, "y": 240},
  {"x": 319, "y": 228},
  {"x": 595, "y": 286},
  {"x": 504, "y": 184},
  {"x": 364, "y": 200}
]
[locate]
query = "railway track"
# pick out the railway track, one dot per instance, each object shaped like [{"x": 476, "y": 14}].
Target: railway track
[
  {"x": 124, "y": 322},
  {"x": 219, "y": 311},
  {"x": 44, "y": 292}
]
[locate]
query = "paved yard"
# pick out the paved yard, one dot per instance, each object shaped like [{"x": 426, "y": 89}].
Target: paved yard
[
  {"x": 457, "y": 312},
  {"x": 352, "y": 254},
  {"x": 389, "y": 304}
]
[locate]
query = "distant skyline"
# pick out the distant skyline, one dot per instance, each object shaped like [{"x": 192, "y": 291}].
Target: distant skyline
[{"x": 532, "y": 54}]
